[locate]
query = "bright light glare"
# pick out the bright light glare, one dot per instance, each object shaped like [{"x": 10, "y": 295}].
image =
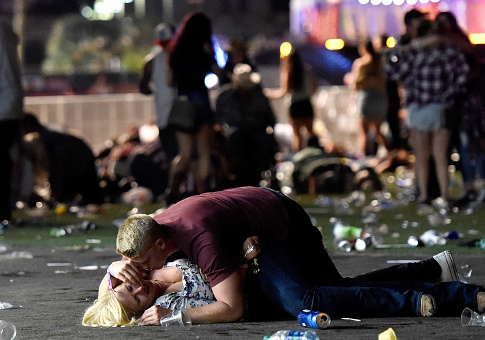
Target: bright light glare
[
  {"x": 390, "y": 42},
  {"x": 334, "y": 44},
  {"x": 477, "y": 38},
  {"x": 285, "y": 49},
  {"x": 364, "y": 2},
  {"x": 424, "y": 1},
  {"x": 87, "y": 12},
  {"x": 211, "y": 80},
  {"x": 398, "y": 2},
  {"x": 375, "y": 2},
  {"x": 386, "y": 2},
  {"x": 411, "y": 2}
]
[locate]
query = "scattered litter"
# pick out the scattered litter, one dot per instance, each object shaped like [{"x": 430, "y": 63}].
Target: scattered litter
[
  {"x": 8, "y": 305},
  {"x": 464, "y": 273},
  {"x": 91, "y": 267},
  {"x": 352, "y": 319},
  {"x": 59, "y": 264},
  {"x": 17, "y": 255},
  {"x": 93, "y": 241}
]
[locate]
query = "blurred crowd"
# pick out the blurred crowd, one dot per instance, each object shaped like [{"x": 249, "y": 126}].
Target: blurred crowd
[{"x": 427, "y": 89}]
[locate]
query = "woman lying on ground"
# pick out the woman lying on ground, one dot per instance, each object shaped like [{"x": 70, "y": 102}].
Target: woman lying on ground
[{"x": 178, "y": 285}]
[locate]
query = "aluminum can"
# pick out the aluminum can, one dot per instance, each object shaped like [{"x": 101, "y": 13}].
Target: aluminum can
[{"x": 313, "y": 319}]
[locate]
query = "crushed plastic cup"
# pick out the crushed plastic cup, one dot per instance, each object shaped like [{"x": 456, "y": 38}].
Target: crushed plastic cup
[
  {"x": 8, "y": 331},
  {"x": 471, "y": 318},
  {"x": 8, "y": 305},
  {"x": 388, "y": 334},
  {"x": 178, "y": 319},
  {"x": 465, "y": 272}
]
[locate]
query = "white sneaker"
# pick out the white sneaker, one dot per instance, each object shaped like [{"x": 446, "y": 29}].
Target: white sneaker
[{"x": 448, "y": 267}]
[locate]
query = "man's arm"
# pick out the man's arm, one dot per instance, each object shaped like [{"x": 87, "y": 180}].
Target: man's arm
[
  {"x": 229, "y": 306},
  {"x": 121, "y": 271}
]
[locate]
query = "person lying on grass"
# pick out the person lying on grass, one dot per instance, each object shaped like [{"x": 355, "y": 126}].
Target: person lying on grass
[{"x": 179, "y": 284}]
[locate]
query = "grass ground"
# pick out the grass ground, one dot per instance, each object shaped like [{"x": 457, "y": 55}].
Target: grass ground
[{"x": 393, "y": 223}]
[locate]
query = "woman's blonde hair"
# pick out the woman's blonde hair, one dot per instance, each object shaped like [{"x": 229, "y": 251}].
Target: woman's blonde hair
[
  {"x": 138, "y": 233},
  {"x": 107, "y": 311}
]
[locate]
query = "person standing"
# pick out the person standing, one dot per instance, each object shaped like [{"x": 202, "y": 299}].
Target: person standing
[
  {"x": 246, "y": 119},
  {"x": 191, "y": 58},
  {"x": 369, "y": 80},
  {"x": 155, "y": 81},
  {"x": 299, "y": 81},
  {"x": 468, "y": 116},
  {"x": 434, "y": 73},
  {"x": 11, "y": 109}
]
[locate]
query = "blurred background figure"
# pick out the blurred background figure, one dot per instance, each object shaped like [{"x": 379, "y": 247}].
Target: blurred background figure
[
  {"x": 434, "y": 73},
  {"x": 63, "y": 164},
  {"x": 11, "y": 108},
  {"x": 468, "y": 123},
  {"x": 191, "y": 58},
  {"x": 298, "y": 81},
  {"x": 237, "y": 54},
  {"x": 369, "y": 80},
  {"x": 246, "y": 119},
  {"x": 398, "y": 136},
  {"x": 155, "y": 80}
]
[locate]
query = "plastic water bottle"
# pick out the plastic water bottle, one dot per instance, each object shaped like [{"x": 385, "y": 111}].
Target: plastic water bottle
[
  {"x": 292, "y": 335},
  {"x": 8, "y": 331}
]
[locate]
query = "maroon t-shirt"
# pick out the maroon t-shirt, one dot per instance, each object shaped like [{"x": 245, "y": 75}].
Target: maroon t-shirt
[{"x": 211, "y": 228}]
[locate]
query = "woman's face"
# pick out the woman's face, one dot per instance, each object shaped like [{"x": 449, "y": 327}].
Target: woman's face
[{"x": 136, "y": 299}]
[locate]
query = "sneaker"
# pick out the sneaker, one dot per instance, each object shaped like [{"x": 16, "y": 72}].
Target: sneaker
[
  {"x": 428, "y": 305},
  {"x": 448, "y": 267},
  {"x": 481, "y": 302}
]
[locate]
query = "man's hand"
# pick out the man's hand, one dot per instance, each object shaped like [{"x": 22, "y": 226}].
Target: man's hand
[
  {"x": 251, "y": 247},
  {"x": 152, "y": 316},
  {"x": 127, "y": 271}
]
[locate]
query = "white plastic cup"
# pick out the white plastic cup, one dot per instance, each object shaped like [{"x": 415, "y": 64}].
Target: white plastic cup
[
  {"x": 471, "y": 318},
  {"x": 178, "y": 319},
  {"x": 8, "y": 331}
]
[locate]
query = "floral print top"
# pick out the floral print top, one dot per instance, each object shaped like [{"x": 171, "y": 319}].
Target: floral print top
[{"x": 196, "y": 292}]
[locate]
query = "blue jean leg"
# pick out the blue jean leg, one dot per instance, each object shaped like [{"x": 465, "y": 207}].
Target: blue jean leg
[
  {"x": 450, "y": 297},
  {"x": 427, "y": 270},
  {"x": 281, "y": 279}
]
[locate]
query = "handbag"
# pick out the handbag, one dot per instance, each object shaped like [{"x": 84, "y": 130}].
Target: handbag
[{"x": 183, "y": 113}]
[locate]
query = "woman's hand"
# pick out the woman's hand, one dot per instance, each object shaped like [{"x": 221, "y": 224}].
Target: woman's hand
[
  {"x": 152, "y": 316},
  {"x": 251, "y": 247},
  {"x": 127, "y": 271}
]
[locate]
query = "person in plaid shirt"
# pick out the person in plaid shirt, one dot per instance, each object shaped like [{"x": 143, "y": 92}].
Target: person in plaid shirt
[{"x": 434, "y": 73}]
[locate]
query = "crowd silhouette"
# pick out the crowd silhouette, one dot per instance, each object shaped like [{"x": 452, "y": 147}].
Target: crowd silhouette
[{"x": 231, "y": 141}]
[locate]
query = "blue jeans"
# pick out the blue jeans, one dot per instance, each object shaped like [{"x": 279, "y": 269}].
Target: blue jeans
[{"x": 298, "y": 273}]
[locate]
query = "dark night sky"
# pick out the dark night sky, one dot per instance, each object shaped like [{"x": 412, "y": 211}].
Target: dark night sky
[{"x": 46, "y": 6}]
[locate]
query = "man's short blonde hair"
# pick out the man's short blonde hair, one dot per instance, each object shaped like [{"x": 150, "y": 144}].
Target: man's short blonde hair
[
  {"x": 107, "y": 311},
  {"x": 137, "y": 234}
]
